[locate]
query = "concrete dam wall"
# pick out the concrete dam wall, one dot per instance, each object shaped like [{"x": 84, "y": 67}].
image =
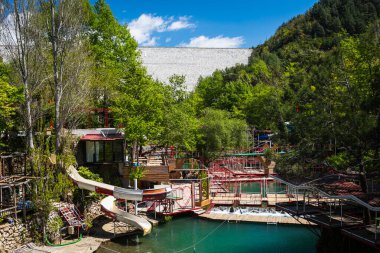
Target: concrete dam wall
[{"x": 162, "y": 62}]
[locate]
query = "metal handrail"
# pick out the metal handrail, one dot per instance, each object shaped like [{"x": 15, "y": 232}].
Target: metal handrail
[{"x": 325, "y": 194}]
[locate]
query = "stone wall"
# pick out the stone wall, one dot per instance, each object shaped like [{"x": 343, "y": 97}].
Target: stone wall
[
  {"x": 163, "y": 62},
  {"x": 13, "y": 236}
]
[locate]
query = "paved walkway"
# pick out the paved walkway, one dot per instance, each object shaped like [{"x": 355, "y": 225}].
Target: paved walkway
[
  {"x": 86, "y": 245},
  {"x": 104, "y": 230}
]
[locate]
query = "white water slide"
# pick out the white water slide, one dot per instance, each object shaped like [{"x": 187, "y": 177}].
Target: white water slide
[{"x": 109, "y": 203}]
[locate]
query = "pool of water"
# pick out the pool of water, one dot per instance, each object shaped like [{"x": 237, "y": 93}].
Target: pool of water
[
  {"x": 204, "y": 236},
  {"x": 254, "y": 187},
  {"x": 253, "y": 211}
]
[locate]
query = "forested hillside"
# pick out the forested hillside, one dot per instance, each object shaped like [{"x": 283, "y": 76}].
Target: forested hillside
[{"x": 316, "y": 83}]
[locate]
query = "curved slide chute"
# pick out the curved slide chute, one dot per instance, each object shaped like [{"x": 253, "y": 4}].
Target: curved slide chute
[
  {"x": 109, "y": 207},
  {"x": 108, "y": 204}
]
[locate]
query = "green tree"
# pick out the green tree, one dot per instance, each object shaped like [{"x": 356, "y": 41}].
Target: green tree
[
  {"x": 123, "y": 84},
  {"x": 220, "y": 133},
  {"x": 264, "y": 107},
  {"x": 114, "y": 50},
  {"x": 177, "y": 87},
  {"x": 66, "y": 47},
  {"x": 10, "y": 97},
  {"x": 359, "y": 113},
  {"x": 179, "y": 123},
  {"x": 139, "y": 107}
]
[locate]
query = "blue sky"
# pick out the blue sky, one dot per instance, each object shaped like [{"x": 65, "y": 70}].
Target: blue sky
[{"x": 207, "y": 23}]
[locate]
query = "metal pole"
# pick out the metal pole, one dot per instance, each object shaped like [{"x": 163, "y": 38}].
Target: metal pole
[
  {"x": 253, "y": 139},
  {"x": 135, "y": 183},
  {"x": 24, "y": 204},
  {"x": 15, "y": 201},
  {"x": 275, "y": 190},
  {"x": 155, "y": 211},
  {"x": 114, "y": 228},
  {"x": 341, "y": 213},
  {"x": 318, "y": 199},
  {"x": 304, "y": 201},
  {"x": 375, "y": 226},
  {"x": 330, "y": 211},
  {"x": 192, "y": 195},
  {"x": 265, "y": 187},
  {"x": 200, "y": 192},
  {"x": 297, "y": 198}
]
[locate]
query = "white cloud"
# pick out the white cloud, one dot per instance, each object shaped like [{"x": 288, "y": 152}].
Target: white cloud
[
  {"x": 214, "y": 42},
  {"x": 151, "y": 42},
  {"x": 144, "y": 27},
  {"x": 7, "y": 36},
  {"x": 7, "y": 30},
  {"x": 182, "y": 23}
]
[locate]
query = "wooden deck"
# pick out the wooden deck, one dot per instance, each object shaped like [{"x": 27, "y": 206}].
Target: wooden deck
[
  {"x": 250, "y": 199},
  {"x": 243, "y": 199},
  {"x": 319, "y": 215},
  {"x": 258, "y": 219},
  {"x": 253, "y": 178},
  {"x": 302, "y": 208},
  {"x": 152, "y": 173}
]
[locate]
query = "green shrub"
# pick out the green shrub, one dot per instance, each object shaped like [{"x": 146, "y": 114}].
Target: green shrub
[{"x": 168, "y": 218}]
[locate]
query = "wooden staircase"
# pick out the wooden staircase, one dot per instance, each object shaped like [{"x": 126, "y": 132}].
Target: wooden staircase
[{"x": 71, "y": 216}]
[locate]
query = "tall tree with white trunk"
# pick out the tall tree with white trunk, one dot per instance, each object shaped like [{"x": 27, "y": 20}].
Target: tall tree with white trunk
[
  {"x": 17, "y": 39},
  {"x": 65, "y": 26}
]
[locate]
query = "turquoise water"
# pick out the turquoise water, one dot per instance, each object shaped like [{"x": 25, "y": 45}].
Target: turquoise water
[
  {"x": 180, "y": 234},
  {"x": 254, "y": 187}
]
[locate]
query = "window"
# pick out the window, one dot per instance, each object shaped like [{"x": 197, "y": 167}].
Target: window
[
  {"x": 104, "y": 151},
  {"x": 90, "y": 151}
]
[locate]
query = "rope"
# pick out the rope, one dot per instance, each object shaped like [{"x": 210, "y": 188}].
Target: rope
[
  {"x": 64, "y": 244},
  {"x": 115, "y": 251},
  {"x": 204, "y": 238}
]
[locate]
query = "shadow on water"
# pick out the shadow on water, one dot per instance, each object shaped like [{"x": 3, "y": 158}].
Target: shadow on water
[{"x": 128, "y": 240}]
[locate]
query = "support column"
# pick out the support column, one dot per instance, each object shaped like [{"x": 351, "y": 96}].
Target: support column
[
  {"x": 297, "y": 199},
  {"x": 24, "y": 165},
  {"x": 265, "y": 187},
  {"x": 275, "y": 191},
  {"x": 200, "y": 192},
  {"x": 135, "y": 183},
  {"x": 330, "y": 211},
  {"x": 114, "y": 228},
  {"x": 24, "y": 200},
  {"x": 208, "y": 186},
  {"x": 192, "y": 195},
  {"x": 15, "y": 201},
  {"x": 318, "y": 199},
  {"x": 155, "y": 212},
  {"x": 341, "y": 213},
  {"x": 304, "y": 201},
  {"x": 375, "y": 226}
]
